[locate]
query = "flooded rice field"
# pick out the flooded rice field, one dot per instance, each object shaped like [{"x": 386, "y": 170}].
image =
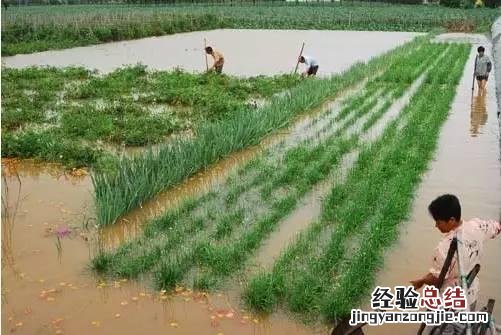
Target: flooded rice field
[
  {"x": 246, "y": 52},
  {"x": 47, "y": 289},
  {"x": 49, "y": 232},
  {"x": 466, "y": 164}
]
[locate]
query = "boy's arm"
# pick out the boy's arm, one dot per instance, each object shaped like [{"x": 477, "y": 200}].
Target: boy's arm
[
  {"x": 431, "y": 278},
  {"x": 490, "y": 228},
  {"x": 428, "y": 279},
  {"x": 214, "y": 63}
]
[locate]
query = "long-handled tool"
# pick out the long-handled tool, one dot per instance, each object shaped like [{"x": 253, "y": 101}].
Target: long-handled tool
[
  {"x": 473, "y": 80},
  {"x": 441, "y": 277},
  {"x": 300, "y": 54},
  {"x": 205, "y": 53}
]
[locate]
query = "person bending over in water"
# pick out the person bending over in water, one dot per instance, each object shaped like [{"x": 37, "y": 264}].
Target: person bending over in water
[
  {"x": 470, "y": 234},
  {"x": 218, "y": 59},
  {"x": 483, "y": 67},
  {"x": 311, "y": 65}
]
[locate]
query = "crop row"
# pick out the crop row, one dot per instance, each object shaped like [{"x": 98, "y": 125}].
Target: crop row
[
  {"x": 332, "y": 265},
  {"x": 210, "y": 238},
  {"x": 39, "y": 28},
  {"x": 138, "y": 179}
]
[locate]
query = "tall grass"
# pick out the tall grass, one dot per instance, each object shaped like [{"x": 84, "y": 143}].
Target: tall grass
[
  {"x": 38, "y": 28},
  {"x": 331, "y": 267}
]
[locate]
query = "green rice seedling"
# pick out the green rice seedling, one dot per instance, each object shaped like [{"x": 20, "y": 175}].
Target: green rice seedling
[
  {"x": 216, "y": 248},
  {"x": 332, "y": 279},
  {"x": 138, "y": 179}
]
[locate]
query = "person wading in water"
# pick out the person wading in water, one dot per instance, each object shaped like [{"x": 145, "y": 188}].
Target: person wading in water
[
  {"x": 483, "y": 67},
  {"x": 218, "y": 60}
]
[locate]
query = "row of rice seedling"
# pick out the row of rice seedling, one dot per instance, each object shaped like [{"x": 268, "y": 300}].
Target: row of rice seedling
[
  {"x": 37, "y": 28},
  {"x": 211, "y": 238},
  {"x": 138, "y": 179},
  {"x": 332, "y": 265}
]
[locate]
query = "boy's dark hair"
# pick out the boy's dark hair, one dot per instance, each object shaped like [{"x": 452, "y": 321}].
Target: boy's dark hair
[
  {"x": 480, "y": 49},
  {"x": 208, "y": 50},
  {"x": 301, "y": 59},
  {"x": 445, "y": 207}
]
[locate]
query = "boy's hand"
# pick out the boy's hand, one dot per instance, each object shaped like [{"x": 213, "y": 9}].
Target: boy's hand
[{"x": 418, "y": 283}]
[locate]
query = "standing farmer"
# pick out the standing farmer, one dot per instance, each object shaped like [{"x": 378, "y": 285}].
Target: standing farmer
[
  {"x": 311, "y": 65},
  {"x": 218, "y": 59},
  {"x": 483, "y": 67}
]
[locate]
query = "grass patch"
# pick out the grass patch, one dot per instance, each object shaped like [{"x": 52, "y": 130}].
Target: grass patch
[{"x": 76, "y": 117}]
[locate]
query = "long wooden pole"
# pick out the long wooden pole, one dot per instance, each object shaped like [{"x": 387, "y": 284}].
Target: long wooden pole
[
  {"x": 205, "y": 53},
  {"x": 473, "y": 80},
  {"x": 300, "y": 54}
]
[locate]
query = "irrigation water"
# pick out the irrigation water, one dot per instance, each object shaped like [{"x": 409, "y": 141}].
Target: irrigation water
[
  {"x": 276, "y": 51},
  {"x": 467, "y": 164}
]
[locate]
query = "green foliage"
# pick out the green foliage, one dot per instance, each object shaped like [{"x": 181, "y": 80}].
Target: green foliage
[
  {"x": 332, "y": 265},
  {"x": 261, "y": 294},
  {"x": 141, "y": 178},
  {"x": 76, "y": 113},
  {"x": 36, "y": 28},
  {"x": 451, "y": 3},
  {"x": 212, "y": 238}
]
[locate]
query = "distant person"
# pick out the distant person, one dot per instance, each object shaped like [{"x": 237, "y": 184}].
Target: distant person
[
  {"x": 483, "y": 67},
  {"x": 471, "y": 235},
  {"x": 218, "y": 59},
  {"x": 311, "y": 65}
]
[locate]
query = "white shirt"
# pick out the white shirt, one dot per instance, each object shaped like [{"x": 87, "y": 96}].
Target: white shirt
[
  {"x": 471, "y": 235},
  {"x": 310, "y": 61}
]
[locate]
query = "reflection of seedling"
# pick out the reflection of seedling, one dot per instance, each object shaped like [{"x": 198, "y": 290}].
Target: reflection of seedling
[
  {"x": 86, "y": 221},
  {"x": 9, "y": 213},
  {"x": 59, "y": 248}
]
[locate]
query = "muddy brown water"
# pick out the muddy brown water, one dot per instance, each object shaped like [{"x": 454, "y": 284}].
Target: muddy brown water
[
  {"x": 48, "y": 289},
  {"x": 310, "y": 208},
  {"x": 467, "y": 164},
  {"x": 247, "y": 52}
]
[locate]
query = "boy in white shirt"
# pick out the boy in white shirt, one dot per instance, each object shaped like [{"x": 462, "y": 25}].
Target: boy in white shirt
[
  {"x": 311, "y": 65},
  {"x": 471, "y": 235}
]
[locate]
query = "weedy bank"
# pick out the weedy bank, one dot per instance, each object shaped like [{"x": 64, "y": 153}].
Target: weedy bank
[
  {"x": 27, "y": 29},
  {"x": 79, "y": 118}
]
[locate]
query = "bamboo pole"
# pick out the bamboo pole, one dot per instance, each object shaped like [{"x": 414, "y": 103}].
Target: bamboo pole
[
  {"x": 473, "y": 81},
  {"x": 300, "y": 54}
]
